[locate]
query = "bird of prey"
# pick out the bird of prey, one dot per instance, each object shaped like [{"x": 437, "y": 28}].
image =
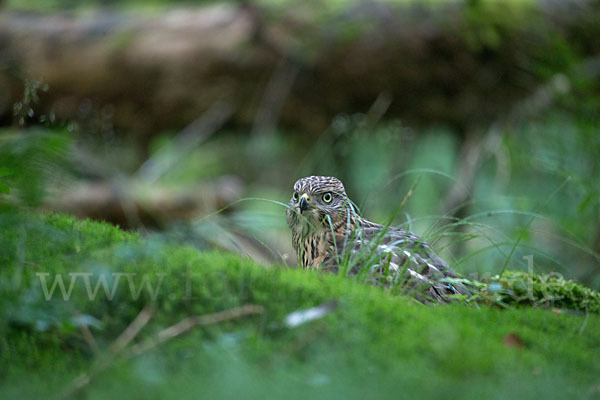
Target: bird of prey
[{"x": 328, "y": 234}]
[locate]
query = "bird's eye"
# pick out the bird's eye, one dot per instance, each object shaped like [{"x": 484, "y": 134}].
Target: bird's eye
[
  {"x": 327, "y": 197},
  {"x": 295, "y": 196}
]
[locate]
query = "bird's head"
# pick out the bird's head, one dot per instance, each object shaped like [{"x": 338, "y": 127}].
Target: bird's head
[{"x": 314, "y": 199}]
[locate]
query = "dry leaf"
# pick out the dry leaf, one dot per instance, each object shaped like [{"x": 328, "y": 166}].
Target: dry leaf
[{"x": 513, "y": 340}]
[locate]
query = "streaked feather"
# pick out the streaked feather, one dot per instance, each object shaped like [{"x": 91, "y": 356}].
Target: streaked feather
[{"x": 332, "y": 235}]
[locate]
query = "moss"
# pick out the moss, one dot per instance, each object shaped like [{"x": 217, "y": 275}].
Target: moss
[
  {"x": 519, "y": 288},
  {"x": 373, "y": 345}
]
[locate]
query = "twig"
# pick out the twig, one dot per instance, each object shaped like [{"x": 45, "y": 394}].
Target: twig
[
  {"x": 470, "y": 160},
  {"x": 187, "y": 141},
  {"x": 192, "y": 322},
  {"x": 120, "y": 352},
  {"x": 475, "y": 151},
  {"x": 276, "y": 93},
  {"x": 528, "y": 224},
  {"x": 131, "y": 331},
  {"x": 89, "y": 338},
  {"x": 585, "y": 321},
  {"x": 104, "y": 362}
]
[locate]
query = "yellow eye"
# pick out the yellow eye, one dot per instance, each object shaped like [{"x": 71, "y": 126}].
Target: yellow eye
[
  {"x": 327, "y": 197},
  {"x": 295, "y": 196}
]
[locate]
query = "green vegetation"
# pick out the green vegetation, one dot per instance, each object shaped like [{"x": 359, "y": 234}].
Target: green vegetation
[
  {"x": 371, "y": 344},
  {"x": 516, "y": 288},
  {"x": 498, "y": 171}
]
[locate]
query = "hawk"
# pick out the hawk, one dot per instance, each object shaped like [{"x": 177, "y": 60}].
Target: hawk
[{"x": 328, "y": 234}]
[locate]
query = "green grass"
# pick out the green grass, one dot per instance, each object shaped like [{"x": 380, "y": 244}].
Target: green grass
[{"x": 373, "y": 345}]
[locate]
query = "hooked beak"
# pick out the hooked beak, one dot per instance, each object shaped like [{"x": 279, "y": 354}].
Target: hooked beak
[{"x": 304, "y": 202}]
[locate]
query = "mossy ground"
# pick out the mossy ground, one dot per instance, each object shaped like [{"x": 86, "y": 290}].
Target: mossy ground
[{"x": 374, "y": 345}]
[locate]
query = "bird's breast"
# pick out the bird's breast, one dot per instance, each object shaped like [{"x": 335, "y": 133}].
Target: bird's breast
[{"x": 313, "y": 250}]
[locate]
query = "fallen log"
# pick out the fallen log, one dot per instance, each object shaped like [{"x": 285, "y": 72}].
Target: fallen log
[
  {"x": 457, "y": 63},
  {"x": 134, "y": 204}
]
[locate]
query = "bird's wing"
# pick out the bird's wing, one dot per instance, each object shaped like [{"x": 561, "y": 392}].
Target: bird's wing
[{"x": 401, "y": 258}]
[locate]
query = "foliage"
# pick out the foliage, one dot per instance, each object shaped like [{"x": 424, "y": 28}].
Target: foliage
[
  {"x": 372, "y": 343},
  {"x": 31, "y": 161},
  {"x": 519, "y": 288}
]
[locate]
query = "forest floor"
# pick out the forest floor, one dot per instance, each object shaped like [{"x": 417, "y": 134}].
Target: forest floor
[{"x": 251, "y": 338}]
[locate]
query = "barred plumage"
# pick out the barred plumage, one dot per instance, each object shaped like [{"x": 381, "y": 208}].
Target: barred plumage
[{"x": 328, "y": 233}]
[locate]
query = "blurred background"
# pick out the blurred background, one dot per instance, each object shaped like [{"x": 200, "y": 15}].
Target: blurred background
[{"x": 192, "y": 120}]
